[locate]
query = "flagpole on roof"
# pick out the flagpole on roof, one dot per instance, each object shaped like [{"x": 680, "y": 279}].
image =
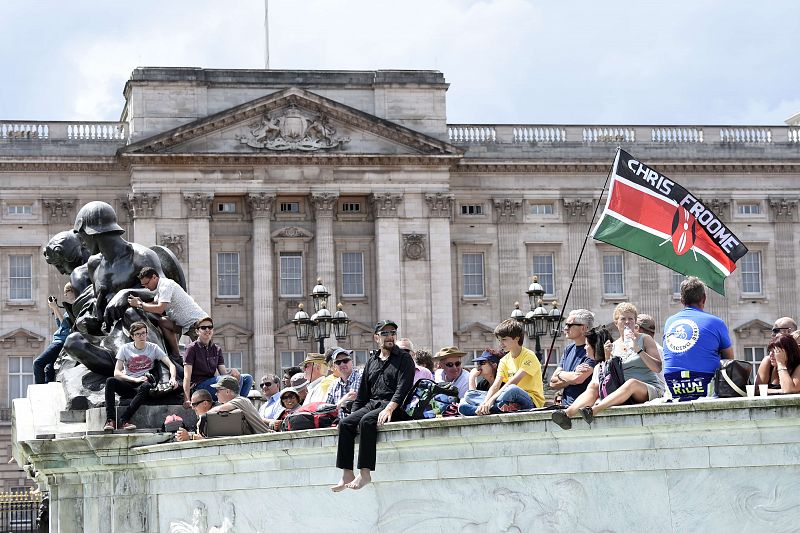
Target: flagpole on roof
[
  {"x": 266, "y": 34},
  {"x": 578, "y": 263}
]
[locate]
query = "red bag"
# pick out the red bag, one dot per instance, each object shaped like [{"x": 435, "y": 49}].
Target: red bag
[{"x": 312, "y": 416}]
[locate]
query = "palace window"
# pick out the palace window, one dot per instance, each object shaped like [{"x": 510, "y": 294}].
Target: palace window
[
  {"x": 228, "y": 276},
  {"x": 291, "y": 274},
  {"x": 20, "y": 375},
  {"x": 750, "y": 267},
  {"x": 290, "y": 207},
  {"x": 226, "y": 207},
  {"x": 20, "y": 209},
  {"x": 754, "y": 355},
  {"x": 473, "y": 274},
  {"x": 233, "y": 359},
  {"x": 20, "y": 278},
  {"x": 613, "y": 275},
  {"x": 543, "y": 267},
  {"x": 351, "y": 207},
  {"x": 540, "y": 208},
  {"x": 749, "y": 208},
  {"x": 352, "y": 274},
  {"x": 472, "y": 209},
  {"x": 676, "y": 278},
  {"x": 292, "y": 358}
]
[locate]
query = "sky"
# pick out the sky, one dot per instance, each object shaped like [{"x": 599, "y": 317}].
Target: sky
[{"x": 703, "y": 62}]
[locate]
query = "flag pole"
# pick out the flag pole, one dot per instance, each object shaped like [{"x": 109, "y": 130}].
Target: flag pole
[{"x": 580, "y": 256}]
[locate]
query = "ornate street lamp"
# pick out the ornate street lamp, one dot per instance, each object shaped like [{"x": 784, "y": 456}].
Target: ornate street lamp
[
  {"x": 534, "y": 292},
  {"x": 301, "y": 324},
  {"x": 340, "y": 323},
  {"x": 553, "y": 318},
  {"x": 538, "y": 320},
  {"x": 320, "y": 296}
]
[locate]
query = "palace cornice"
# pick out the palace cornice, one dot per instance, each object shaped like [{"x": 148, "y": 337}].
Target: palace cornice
[
  {"x": 315, "y": 159},
  {"x": 111, "y": 164},
  {"x": 468, "y": 166}
]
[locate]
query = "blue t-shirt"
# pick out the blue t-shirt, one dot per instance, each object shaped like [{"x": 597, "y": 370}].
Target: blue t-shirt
[
  {"x": 573, "y": 356},
  {"x": 692, "y": 341}
]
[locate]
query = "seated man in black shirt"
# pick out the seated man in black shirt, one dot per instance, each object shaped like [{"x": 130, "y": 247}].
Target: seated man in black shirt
[{"x": 385, "y": 382}]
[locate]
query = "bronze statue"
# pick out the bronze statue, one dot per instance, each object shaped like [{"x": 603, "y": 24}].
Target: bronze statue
[{"x": 66, "y": 252}]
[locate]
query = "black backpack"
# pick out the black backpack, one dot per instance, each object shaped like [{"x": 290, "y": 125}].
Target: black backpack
[
  {"x": 312, "y": 416},
  {"x": 417, "y": 404}
]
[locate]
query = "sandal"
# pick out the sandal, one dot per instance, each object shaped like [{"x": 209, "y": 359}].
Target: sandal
[
  {"x": 587, "y": 414},
  {"x": 561, "y": 418}
]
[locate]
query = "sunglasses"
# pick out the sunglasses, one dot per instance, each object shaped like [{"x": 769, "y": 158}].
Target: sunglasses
[
  {"x": 343, "y": 361},
  {"x": 775, "y": 331},
  {"x": 388, "y": 333},
  {"x": 451, "y": 365},
  {"x": 266, "y": 384},
  {"x": 568, "y": 325},
  {"x": 195, "y": 404},
  {"x": 481, "y": 363},
  {"x": 205, "y": 328}
]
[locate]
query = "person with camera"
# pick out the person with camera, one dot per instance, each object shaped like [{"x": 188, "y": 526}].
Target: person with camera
[
  {"x": 43, "y": 371},
  {"x": 132, "y": 377}
]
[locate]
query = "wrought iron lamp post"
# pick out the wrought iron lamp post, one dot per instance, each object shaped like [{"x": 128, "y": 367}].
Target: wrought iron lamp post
[{"x": 319, "y": 324}]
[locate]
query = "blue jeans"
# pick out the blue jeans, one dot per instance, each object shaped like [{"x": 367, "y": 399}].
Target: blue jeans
[
  {"x": 246, "y": 380},
  {"x": 512, "y": 394},
  {"x": 43, "y": 371}
]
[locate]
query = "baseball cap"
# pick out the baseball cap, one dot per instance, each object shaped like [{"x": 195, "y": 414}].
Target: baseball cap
[
  {"x": 383, "y": 323},
  {"x": 335, "y": 351},
  {"x": 487, "y": 356},
  {"x": 228, "y": 382},
  {"x": 298, "y": 382}
]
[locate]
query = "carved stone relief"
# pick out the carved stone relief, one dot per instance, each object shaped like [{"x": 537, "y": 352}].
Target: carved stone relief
[
  {"x": 174, "y": 242},
  {"x": 59, "y": 210},
  {"x": 507, "y": 209},
  {"x": 261, "y": 204},
  {"x": 385, "y": 204},
  {"x": 142, "y": 204},
  {"x": 440, "y": 204},
  {"x": 413, "y": 246},
  {"x": 293, "y": 129},
  {"x": 324, "y": 203},
  {"x": 576, "y": 210},
  {"x": 199, "y": 203},
  {"x": 783, "y": 208}
]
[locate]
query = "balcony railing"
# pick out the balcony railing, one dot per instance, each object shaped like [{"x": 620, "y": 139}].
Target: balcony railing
[
  {"x": 528, "y": 134},
  {"x": 23, "y": 130}
]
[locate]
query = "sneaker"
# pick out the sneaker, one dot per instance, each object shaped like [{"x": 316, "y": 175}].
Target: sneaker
[
  {"x": 127, "y": 426},
  {"x": 561, "y": 418},
  {"x": 110, "y": 425},
  {"x": 586, "y": 413}
]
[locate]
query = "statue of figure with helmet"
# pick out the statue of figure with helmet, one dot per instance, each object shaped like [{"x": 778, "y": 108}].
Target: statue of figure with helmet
[{"x": 101, "y": 310}]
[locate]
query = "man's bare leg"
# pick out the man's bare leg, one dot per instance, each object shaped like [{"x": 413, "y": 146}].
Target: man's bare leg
[
  {"x": 364, "y": 478},
  {"x": 347, "y": 478}
]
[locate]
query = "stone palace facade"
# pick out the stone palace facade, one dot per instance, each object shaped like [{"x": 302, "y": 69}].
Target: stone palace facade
[{"x": 263, "y": 181}]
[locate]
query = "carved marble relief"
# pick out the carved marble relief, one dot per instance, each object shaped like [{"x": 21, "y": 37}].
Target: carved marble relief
[
  {"x": 174, "y": 242},
  {"x": 59, "y": 210},
  {"x": 293, "y": 129},
  {"x": 414, "y": 246}
]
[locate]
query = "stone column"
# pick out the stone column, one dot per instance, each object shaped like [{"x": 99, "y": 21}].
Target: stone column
[
  {"x": 324, "y": 205},
  {"x": 440, "y": 212},
  {"x": 387, "y": 254},
  {"x": 198, "y": 273},
  {"x": 716, "y": 303},
  {"x": 141, "y": 206},
  {"x": 261, "y": 208},
  {"x": 576, "y": 213},
  {"x": 513, "y": 274},
  {"x": 783, "y": 210}
]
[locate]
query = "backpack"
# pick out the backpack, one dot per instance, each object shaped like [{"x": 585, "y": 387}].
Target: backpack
[
  {"x": 610, "y": 376},
  {"x": 312, "y": 416},
  {"x": 427, "y": 399}
]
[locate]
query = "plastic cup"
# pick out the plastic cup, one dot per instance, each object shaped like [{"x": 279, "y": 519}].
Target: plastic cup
[
  {"x": 762, "y": 390},
  {"x": 751, "y": 391}
]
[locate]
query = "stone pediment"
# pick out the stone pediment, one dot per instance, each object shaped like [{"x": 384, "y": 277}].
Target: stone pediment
[
  {"x": 291, "y": 122},
  {"x": 20, "y": 338}
]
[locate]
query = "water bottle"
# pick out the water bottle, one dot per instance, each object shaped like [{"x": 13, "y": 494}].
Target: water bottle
[{"x": 628, "y": 339}]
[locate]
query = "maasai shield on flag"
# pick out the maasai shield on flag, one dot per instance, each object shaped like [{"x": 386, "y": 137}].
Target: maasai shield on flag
[{"x": 650, "y": 215}]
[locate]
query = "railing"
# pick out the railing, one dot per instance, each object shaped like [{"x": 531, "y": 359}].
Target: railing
[
  {"x": 70, "y": 131},
  {"x": 19, "y": 511},
  {"x": 527, "y": 134}
]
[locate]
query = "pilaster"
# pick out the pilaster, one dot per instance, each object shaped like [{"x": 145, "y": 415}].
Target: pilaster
[
  {"x": 511, "y": 266},
  {"x": 576, "y": 213},
  {"x": 324, "y": 206},
  {"x": 783, "y": 212},
  {"x": 141, "y": 208},
  {"x": 198, "y": 273},
  {"x": 261, "y": 207},
  {"x": 387, "y": 254}
]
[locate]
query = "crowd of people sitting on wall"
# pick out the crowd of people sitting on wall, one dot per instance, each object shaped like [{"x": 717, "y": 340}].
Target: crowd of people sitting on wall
[{"x": 599, "y": 369}]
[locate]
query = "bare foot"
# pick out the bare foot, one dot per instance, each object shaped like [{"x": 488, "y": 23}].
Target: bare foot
[
  {"x": 360, "y": 482},
  {"x": 347, "y": 477}
]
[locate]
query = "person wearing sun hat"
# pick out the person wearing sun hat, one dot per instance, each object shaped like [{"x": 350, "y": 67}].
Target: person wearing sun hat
[{"x": 449, "y": 370}]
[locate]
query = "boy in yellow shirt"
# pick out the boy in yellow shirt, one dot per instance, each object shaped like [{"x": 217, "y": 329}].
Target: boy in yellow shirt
[{"x": 518, "y": 384}]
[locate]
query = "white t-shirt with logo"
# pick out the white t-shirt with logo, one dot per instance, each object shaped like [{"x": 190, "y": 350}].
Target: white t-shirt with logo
[{"x": 137, "y": 362}]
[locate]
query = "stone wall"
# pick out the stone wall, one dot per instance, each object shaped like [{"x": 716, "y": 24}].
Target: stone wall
[{"x": 718, "y": 466}]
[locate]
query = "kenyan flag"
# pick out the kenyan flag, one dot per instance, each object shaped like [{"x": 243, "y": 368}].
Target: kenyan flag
[{"x": 650, "y": 215}]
